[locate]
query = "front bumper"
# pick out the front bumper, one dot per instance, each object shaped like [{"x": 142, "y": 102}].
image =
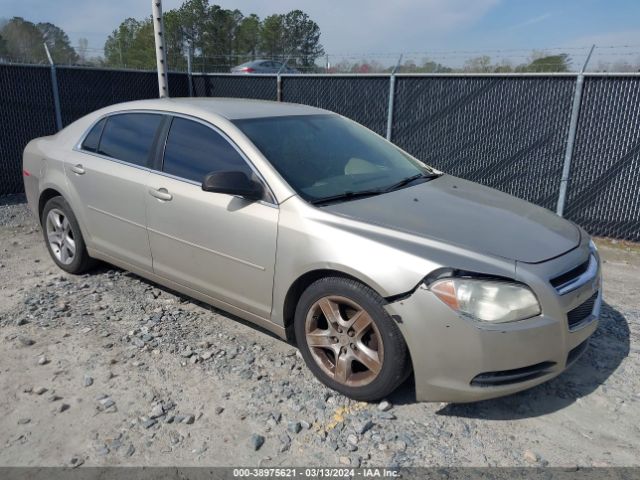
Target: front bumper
[{"x": 456, "y": 359}]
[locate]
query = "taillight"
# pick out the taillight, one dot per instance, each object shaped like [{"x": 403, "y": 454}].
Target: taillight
[
  {"x": 248, "y": 69},
  {"x": 26, "y": 173}
]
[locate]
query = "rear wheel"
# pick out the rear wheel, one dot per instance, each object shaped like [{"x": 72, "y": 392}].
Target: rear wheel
[
  {"x": 63, "y": 237},
  {"x": 348, "y": 340}
]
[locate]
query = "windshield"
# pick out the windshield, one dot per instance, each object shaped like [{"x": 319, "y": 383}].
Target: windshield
[{"x": 323, "y": 156}]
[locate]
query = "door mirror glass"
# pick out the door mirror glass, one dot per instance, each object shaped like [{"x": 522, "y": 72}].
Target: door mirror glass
[{"x": 233, "y": 183}]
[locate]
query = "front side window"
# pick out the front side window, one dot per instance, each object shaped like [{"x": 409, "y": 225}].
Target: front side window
[
  {"x": 129, "y": 137},
  {"x": 326, "y": 156},
  {"x": 93, "y": 137},
  {"x": 194, "y": 150}
]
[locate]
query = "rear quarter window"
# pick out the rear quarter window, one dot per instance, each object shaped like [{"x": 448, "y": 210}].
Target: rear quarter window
[
  {"x": 129, "y": 137},
  {"x": 92, "y": 139}
]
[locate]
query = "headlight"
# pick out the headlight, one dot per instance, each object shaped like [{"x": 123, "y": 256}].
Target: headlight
[{"x": 487, "y": 300}]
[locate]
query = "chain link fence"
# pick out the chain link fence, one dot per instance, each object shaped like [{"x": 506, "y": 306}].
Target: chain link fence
[
  {"x": 361, "y": 98},
  {"x": 505, "y": 131},
  {"x": 508, "y": 133},
  {"x": 604, "y": 189}
]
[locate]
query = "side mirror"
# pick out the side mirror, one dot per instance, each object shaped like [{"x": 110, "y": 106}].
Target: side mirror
[{"x": 233, "y": 183}]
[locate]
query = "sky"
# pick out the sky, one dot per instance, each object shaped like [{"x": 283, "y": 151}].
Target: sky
[{"x": 389, "y": 27}]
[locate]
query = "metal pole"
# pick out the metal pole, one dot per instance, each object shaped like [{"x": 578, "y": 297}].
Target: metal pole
[
  {"x": 54, "y": 87},
  {"x": 571, "y": 139},
  {"x": 392, "y": 90},
  {"x": 161, "y": 53},
  {"x": 278, "y": 88},
  {"x": 279, "y": 80},
  {"x": 189, "y": 72}
]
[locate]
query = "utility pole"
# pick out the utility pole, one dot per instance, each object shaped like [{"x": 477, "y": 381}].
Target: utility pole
[{"x": 161, "y": 53}]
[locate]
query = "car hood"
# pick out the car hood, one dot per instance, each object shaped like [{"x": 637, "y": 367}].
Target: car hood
[{"x": 469, "y": 215}]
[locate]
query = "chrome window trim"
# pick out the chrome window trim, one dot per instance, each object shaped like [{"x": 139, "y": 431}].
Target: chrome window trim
[
  {"x": 587, "y": 276},
  {"x": 78, "y": 148}
]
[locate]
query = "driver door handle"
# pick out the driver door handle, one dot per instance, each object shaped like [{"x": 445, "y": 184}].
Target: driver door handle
[
  {"x": 161, "y": 194},
  {"x": 78, "y": 169}
]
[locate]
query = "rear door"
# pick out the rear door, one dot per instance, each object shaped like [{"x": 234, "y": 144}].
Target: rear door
[
  {"x": 109, "y": 174},
  {"x": 217, "y": 244}
]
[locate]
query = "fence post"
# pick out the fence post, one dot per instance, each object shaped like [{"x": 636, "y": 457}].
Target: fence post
[
  {"x": 279, "y": 79},
  {"x": 54, "y": 86},
  {"x": 392, "y": 90},
  {"x": 189, "y": 72},
  {"x": 571, "y": 139},
  {"x": 278, "y": 88},
  {"x": 161, "y": 52}
]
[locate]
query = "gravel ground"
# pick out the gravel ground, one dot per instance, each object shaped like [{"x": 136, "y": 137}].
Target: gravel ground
[{"x": 110, "y": 369}]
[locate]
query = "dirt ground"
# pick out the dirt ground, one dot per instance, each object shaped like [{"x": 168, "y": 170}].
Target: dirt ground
[{"x": 109, "y": 369}]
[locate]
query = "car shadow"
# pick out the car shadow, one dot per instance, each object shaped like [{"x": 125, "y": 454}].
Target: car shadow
[{"x": 608, "y": 346}]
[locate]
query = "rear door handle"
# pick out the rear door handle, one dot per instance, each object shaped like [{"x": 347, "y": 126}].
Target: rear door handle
[
  {"x": 78, "y": 169},
  {"x": 161, "y": 194}
]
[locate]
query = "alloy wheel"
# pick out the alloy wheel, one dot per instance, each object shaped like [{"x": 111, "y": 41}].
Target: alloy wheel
[
  {"x": 60, "y": 236},
  {"x": 344, "y": 341}
]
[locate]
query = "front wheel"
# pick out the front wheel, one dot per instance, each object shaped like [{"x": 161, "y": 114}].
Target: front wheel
[{"x": 348, "y": 340}]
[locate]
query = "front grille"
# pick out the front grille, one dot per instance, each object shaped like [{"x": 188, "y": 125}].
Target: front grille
[
  {"x": 576, "y": 352},
  {"x": 576, "y": 316},
  {"x": 508, "y": 377},
  {"x": 572, "y": 274}
]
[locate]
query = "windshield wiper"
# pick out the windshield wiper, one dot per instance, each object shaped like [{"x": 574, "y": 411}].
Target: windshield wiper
[
  {"x": 346, "y": 196},
  {"x": 408, "y": 180}
]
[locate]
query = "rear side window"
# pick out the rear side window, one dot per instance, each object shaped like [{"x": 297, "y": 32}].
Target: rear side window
[
  {"x": 93, "y": 137},
  {"x": 129, "y": 137},
  {"x": 193, "y": 150}
]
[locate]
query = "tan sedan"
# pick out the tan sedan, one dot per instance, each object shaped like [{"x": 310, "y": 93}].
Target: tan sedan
[{"x": 308, "y": 224}]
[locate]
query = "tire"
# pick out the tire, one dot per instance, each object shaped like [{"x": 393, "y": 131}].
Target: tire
[
  {"x": 62, "y": 232},
  {"x": 351, "y": 305}
]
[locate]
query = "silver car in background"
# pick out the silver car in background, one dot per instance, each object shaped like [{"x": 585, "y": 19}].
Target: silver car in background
[
  {"x": 317, "y": 229},
  {"x": 262, "y": 66}
]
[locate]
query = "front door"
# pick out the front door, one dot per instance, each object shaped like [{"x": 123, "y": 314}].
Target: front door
[{"x": 220, "y": 245}]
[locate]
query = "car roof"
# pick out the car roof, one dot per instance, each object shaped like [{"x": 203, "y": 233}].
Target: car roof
[{"x": 229, "y": 108}]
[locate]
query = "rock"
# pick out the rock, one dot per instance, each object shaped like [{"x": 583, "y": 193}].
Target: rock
[
  {"x": 294, "y": 427},
  {"x": 384, "y": 405},
  {"x": 364, "y": 427},
  {"x": 43, "y": 360},
  {"x": 257, "y": 441},
  {"x": 387, "y": 416},
  {"x": 64, "y": 407},
  {"x": 75, "y": 462},
  {"x": 39, "y": 390},
  {"x": 107, "y": 402},
  {"x": 188, "y": 419},
  {"x": 219, "y": 410},
  {"x": 352, "y": 439},
  {"x": 305, "y": 425},
  {"x": 186, "y": 353},
  {"x": 26, "y": 341},
  {"x": 87, "y": 381},
  {"x": 21, "y": 321},
  {"x": 149, "y": 423},
  {"x": 345, "y": 460},
  {"x": 130, "y": 450},
  {"x": 157, "y": 411},
  {"x": 24, "y": 421},
  {"x": 530, "y": 456},
  {"x": 206, "y": 355}
]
